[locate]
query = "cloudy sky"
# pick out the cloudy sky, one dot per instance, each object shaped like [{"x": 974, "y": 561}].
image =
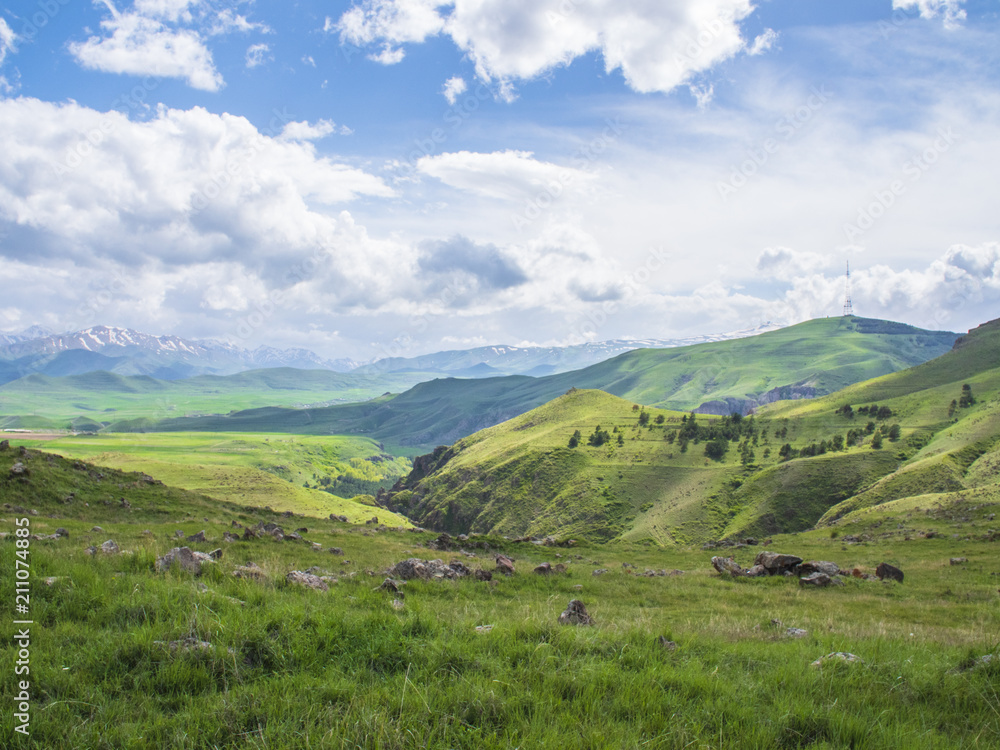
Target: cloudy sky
[{"x": 393, "y": 177}]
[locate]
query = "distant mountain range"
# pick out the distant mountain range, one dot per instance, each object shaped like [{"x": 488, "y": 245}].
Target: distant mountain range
[{"x": 127, "y": 352}]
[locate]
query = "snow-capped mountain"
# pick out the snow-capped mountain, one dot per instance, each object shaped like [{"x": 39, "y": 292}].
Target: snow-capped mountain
[{"x": 129, "y": 352}]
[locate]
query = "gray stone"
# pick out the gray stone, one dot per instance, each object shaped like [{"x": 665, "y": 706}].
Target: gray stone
[
  {"x": 816, "y": 579},
  {"x": 251, "y": 572},
  {"x": 958, "y": 560},
  {"x": 183, "y": 557},
  {"x": 308, "y": 580},
  {"x": 199, "y": 537},
  {"x": 505, "y": 565},
  {"x": 776, "y": 563},
  {"x": 727, "y": 565},
  {"x": 575, "y": 614},
  {"x": 110, "y": 548},
  {"x": 885, "y": 570},
  {"x": 543, "y": 569},
  {"x": 818, "y": 566},
  {"x": 838, "y": 657}
]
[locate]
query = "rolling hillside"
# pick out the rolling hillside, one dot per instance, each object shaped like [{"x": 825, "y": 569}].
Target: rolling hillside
[
  {"x": 806, "y": 360},
  {"x": 784, "y": 470}
]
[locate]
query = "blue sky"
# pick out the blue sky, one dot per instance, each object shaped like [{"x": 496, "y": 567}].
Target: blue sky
[{"x": 396, "y": 177}]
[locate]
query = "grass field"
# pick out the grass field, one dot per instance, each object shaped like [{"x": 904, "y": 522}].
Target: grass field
[
  {"x": 288, "y": 667},
  {"x": 253, "y": 469}
]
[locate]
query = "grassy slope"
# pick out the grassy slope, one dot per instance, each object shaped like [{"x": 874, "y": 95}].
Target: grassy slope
[
  {"x": 819, "y": 356},
  {"x": 254, "y": 470},
  {"x": 102, "y": 397},
  {"x": 289, "y": 667},
  {"x": 519, "y": 477}
]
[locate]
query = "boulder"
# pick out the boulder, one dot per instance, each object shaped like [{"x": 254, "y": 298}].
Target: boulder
[
  {"x": 335, "y": 517},
  {"x": 251, "y": 571},
  {"x": 483, "y": 575},
  {"x": 184, "y": 558},
  {"x": 816, "y": 579},
  {"x": 4, "y": 445},
  {"x": 336, "y": 551},
  {"x": 199, "y": 537},
  {"x": 575, "y": 614},
  {"x": 505, "y": 565},
  {"x": 727, "y": 565},
  {"x": 308, "y": 580},
  {"x": 391, "y": 585},
  {"x": 543, "y": 569},
  {"x": 426, "y": 569},
  {"x": 756, "y": 571},
  {"x": 62, "y": 532},
  {"x": 666, "y": 643},
  {"x": 228, "y": 536},
  {"x": 886, "y": 571},
  {"x": 19, "y": 470},
  {"x": 600, "y": 571},
  {"x": 776, "y": 563},
  {"x": 110, "y": 548},
  {"x": 818, "y": 566}
]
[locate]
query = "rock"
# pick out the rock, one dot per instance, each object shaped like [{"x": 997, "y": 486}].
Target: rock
[
  {"x": 796, "y": 633},
  {"x": 4, "y": 445},
  {"x": 335, "y": 517},
  {"x": 292, "y": 537},
  {"x": 251, "y": 572},
  {"x": 147, "y": 533},
  {"x": 776, "y": 563},
  {"x": 302, "y": 530},
  {"x": 483, "y": 575},
  {"x": 397, "y": 604},
  {"x": 199, "y": 537},
  {"x": 124, "y": 503},
  {"x": 667, "y": 644},
  {"x": 183, "y": 557},
  {"x": 600, "y": 571},
  {"x": 426, "y": 569},
  {"x": 308, "y": 580},
  {"x": 575, "y": 614},
  {"x": 953, "y": 561},
  {"x": 818, "y": 566},
  {"x": 51, "y": 580},
  {"x": 390, "y": 584},
  {"x": 178, "y": 534},
  {"x": 373, "y": 521},
  {"x": 885, "y": 570},
  {"x": 838, "y": 656},
  {"x": 727, "y": 565},
  {"x": 62, "y": 532},
  {"x": 216, "y": 554},
  {"x": 186, "y": 644},
  {"x": 249, "y": 533},
  {"x": 110, "y": 548},
  {"x": 228, "y": 536},
  {"x": 484, "y": 628},
  {"x": 336, "y": 551},
  {"x": 816, "y": 579},
  {"x": 543, "y": 569},
  {"x": 559, "y": 568},
  {"x": 504, "y": 565},
  {"x": 19, "y": 470},
  {"x": 756, "y": 571}
]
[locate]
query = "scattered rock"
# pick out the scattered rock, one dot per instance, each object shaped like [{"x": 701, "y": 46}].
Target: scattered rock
[
  {"x": 505, "y": 565},
  {"x": 251, "y": 572},
  {"x": 185, "y": 645},
  {"x": 953, "y": 561},
  {"x": 390, "y": 584},
  {"x": 776, "y": 563},
  {"x": 885, "y": 570},
  {"x": 575, "y": 614},
  {"x": 178, "y": 534},
  {"x": 796, "y": 633},
  {"x": 426, "y": 569},
  {"x": 109, "y": 548},
  {"x": 19, "y": 470},
  {"x": 228, "y": 536},
  {"x": 728, "y": 565},
  {"x": 97, "y": 529},
  {"x": 187, "y": 560},
  {"x": 600, "y": 571},
  {"x": 199, "y": 537},
  {"x": 838, "y": 656},
  {"x": 483, "y": 575},
  {"x": 62, "y": 532},
  {"x": 51, "y": 580},
  {"x": 818, "y": 566},
  {"x": 397, "y": 604},
  {"x": 147, "y": 533},
  {"x": 816, "y": 579},
  {"x": 336, "y": 551},
  {"x": 756, "y": 571},
  {"x": 335, "y": 517},
  {"x": 124, "y": 503},
  {"x": 543, "y": 569},
  {"x": 307, "y": 579},
  {"x": 484, "y": 628},
  {"x": 667, "y": 644},
  {"x": 4, "y": 445},
  {"x": 373, "y": 521}
]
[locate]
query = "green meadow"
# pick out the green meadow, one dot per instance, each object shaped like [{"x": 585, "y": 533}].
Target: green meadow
[{"x": 684, "y": 660}]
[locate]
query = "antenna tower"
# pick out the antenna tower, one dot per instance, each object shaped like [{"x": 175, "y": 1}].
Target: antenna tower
[{"x": 848, "y": 306}]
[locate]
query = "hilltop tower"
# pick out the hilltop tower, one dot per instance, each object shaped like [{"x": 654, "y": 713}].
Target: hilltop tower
[{"x": 848, "y": 305}]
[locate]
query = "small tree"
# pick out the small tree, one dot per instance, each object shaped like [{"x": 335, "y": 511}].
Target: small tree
[
  {"x": 660, "y": 419},
  {"x": 716, "y": 449},
  {"x": 575, "y": 439},
  {"x": 877, "y": 440},
  {"x": 894, "y": 432},
  {"x": 643, "y": 418},
  {"x": 966, "y": 399}
]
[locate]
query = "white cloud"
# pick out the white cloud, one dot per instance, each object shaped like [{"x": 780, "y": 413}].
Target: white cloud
[
  {"x": 8, "y": 40},
  {"x": 308, "y": 60},
  {"x": 950, "y": 10},
  {"x": 258, "y": 54},
  {"x": 763, "y": 42},
  {"x": 702, "y": 94},
  {"x": 657, "y": 45},
  {"x": 786, "y": 264},
  {"x": 453, "y": 88},
  {"x": 303, "y": 131},
  {"x": 500, "y": 174},
  {"x": 227, "y": 21},
  {"x": 389, "y": 55},
  {"x": 143, "y": 45}
]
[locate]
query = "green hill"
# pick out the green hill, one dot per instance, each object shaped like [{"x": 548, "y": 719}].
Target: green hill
[
  {"x": 781, "y": 471},
  {"x": 806, "y": 360}
]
